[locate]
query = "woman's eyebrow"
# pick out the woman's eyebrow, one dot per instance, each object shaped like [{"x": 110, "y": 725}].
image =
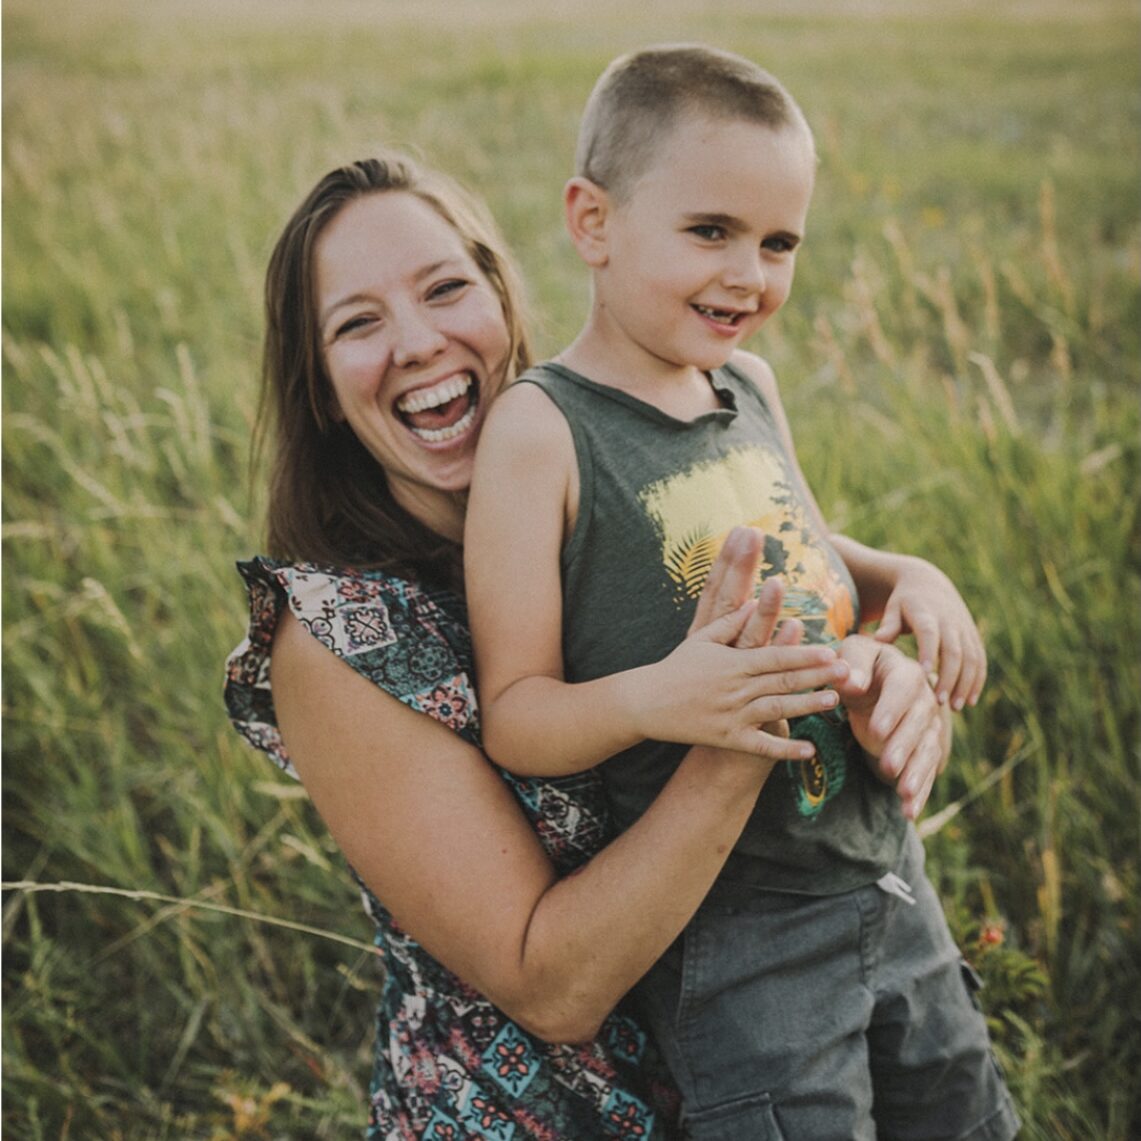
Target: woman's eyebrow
[{"x": 364, "y": 295}]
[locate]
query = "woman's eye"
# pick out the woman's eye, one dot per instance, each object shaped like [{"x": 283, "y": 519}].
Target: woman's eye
[
  {"x": 446, "y": 288},
  {"x": 352, "y": 325}
]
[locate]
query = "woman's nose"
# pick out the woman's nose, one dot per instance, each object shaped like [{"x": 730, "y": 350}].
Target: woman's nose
[{"x": 417, "y": 340}]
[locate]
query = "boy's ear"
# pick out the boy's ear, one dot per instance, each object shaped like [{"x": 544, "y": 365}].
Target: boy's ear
[{"x": 587, "y": 207}]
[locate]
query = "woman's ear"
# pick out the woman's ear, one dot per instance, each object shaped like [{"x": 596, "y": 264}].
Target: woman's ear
[{"x": 587, "y": 208}]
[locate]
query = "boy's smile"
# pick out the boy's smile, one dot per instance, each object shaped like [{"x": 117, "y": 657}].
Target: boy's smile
[{"x": 701, "y": 251}]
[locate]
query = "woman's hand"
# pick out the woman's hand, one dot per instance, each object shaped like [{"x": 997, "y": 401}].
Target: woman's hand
[
  {"x": 924, "y": 602},
  {"x": 896, "y": 718}
]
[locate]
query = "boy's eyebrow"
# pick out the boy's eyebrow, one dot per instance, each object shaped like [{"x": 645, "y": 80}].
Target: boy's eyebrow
[{"x": 725, "y": 221}]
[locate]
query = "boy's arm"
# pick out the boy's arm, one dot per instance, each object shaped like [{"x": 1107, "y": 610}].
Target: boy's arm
[
  {"x": 904, "y": 593},
  {"x": 524, "y": 494}
]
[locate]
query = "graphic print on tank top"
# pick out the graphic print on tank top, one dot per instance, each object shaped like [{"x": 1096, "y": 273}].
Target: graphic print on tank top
[{"x": 693, "y": 512}]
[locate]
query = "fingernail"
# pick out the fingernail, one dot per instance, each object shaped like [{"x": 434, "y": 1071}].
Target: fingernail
[{"x": 957, "y": 704}]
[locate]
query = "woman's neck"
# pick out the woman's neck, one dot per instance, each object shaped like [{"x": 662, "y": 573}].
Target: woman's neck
[{"x": 440, "y": 511}]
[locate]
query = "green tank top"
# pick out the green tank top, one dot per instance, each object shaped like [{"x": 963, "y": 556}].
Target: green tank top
[{"x": 658, "y": 497}]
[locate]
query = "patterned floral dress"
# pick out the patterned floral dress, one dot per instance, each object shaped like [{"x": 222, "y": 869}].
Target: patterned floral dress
[{"x": 450, "y": 1065}]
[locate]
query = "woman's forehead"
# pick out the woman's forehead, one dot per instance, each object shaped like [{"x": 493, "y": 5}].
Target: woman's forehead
[{"x": 393, "y": 237}]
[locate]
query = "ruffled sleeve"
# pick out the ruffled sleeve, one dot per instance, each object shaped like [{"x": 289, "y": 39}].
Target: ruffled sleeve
[{"x": 412, "y": 643}]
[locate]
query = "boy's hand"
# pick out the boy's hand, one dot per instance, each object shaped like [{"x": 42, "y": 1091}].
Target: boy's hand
[
  {"x": 896, "y": 718},
  {"x": 924, "y": 602},
  {"x": 747, "y": 701}
]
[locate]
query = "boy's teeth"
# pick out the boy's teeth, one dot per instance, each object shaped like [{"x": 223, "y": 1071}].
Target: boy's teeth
[
  {"x": 717, "y": 314},
  {"x": 425, "y": 398}
]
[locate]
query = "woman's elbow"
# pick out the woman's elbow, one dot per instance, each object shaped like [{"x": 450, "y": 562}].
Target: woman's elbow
[
  {"x": 554, "y": 1013},
  {"x": 555, "y": 1026}
]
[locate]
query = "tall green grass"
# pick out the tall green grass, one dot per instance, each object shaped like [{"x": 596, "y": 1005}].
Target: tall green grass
[{"x": 960, "y": 360}]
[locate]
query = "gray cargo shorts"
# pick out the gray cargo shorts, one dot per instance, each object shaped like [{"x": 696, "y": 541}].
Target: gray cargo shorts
[{"x": 827, "y": 1018}]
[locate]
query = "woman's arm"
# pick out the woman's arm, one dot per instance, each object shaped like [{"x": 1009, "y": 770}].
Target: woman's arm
[
  {"x": 904, "y": 593},
  {"x": 523, "y": 498},
  {"x": 438, "y": 837}
]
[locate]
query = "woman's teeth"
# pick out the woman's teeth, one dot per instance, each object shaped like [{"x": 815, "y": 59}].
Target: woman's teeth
[
  {"x": 424, "y": 398},
  {"x": 426, "y": 410},
  {"x": 439, "y": 435}
]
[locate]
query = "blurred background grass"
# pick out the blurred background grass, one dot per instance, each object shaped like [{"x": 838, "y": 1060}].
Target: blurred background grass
[{"x": 960, "y": 361}]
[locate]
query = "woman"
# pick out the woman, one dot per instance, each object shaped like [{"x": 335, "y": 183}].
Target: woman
[{"x": 392, "y": 322}]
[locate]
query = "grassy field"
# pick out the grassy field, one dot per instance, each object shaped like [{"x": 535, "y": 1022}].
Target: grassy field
[{"x": 960, "y": 361}]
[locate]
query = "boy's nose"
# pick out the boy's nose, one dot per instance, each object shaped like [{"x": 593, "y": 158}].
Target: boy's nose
[
  {"x": 416, "y": 340},
  {"x": 746, "y": 271}
]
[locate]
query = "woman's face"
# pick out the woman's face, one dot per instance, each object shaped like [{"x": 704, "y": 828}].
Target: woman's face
[{"x": 415, "y": 344}]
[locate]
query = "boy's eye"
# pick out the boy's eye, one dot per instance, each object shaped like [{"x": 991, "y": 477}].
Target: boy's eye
[
  {"x": 780, "y": 244},
  {"x": 708, "y": 232}
]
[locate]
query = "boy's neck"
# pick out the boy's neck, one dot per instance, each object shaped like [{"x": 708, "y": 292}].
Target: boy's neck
[{"x": 680, "y": 391}]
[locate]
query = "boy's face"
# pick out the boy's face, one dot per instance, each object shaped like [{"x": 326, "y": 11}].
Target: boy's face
[{"x": 701, "y": 251}]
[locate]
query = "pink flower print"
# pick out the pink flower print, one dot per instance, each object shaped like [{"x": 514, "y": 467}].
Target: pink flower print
[
  {"x": 512, "y": 1060},
  {"x": 628, "y": 1119},
  {"x": 447, "y": 706},
  {"x": 484, "y": 1110}
]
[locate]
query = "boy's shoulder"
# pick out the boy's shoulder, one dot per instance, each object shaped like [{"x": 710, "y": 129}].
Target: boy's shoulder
[
  {"x": 523, "y": 420},
  {"x": 755, "y": 369}
]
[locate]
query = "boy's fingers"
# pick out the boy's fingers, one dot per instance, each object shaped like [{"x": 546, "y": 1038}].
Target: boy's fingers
[
  {"x": 780, "y": 748},
  {"x": 731, "y": 577},
  {"x": 727, "y": 628},
  {"x": 758, "y": 631},
  {"x": 779, "y": 663},
  {"x": 790, "y": 633}
]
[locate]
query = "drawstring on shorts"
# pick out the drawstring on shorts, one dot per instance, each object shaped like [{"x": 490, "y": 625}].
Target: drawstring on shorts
[{"x": 894, "y": 885}]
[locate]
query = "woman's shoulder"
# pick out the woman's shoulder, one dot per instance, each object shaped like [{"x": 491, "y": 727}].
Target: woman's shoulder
[{"x": 406, "y": 638}]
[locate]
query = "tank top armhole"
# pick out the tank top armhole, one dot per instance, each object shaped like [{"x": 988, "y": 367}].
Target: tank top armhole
[
  {"x": 750, "y": 387},
  {"x": 544, "y": 379}
]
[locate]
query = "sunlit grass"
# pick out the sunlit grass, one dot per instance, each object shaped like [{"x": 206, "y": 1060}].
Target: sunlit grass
[{"x": 960, "y": 360}]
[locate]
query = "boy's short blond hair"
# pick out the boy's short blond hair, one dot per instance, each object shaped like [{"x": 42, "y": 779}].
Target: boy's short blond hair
[{"x": 640, "y": 96}]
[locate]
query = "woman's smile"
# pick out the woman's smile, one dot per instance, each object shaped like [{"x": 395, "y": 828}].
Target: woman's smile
[{"x": 442, "y": 411}]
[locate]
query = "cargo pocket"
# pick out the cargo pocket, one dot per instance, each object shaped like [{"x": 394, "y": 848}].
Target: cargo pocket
[
  {"x": 972, "y": 981},
  {"x": 750, "y": 1118}
]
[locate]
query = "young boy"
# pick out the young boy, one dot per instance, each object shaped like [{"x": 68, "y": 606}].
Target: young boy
[{"x": 817, "y": 987}]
